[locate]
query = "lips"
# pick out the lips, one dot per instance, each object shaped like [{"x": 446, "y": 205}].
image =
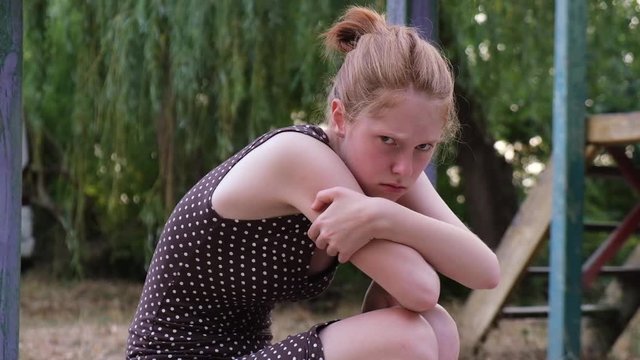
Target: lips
[{"x": 394, "y": 187}]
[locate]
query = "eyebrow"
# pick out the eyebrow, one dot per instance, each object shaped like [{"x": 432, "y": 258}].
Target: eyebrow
[{"x": 403, "y": 137}]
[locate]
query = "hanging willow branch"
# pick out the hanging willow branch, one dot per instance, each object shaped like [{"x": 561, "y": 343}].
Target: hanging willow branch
[{"x": 145, "y": 96}]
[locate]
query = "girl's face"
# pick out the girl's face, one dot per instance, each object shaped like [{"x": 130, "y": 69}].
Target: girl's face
[{"x": 386, "y": 151}]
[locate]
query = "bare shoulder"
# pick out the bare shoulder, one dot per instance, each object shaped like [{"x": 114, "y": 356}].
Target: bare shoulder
[{"x": 280, "y": 177}]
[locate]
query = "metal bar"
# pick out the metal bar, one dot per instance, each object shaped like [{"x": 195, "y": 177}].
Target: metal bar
[
  {"x": 568, "y": 180},
  {"x": 10, "y": 173},
  {"x": 604, "y": 171},
  {"x": 397, "y": 12},
  {"x": 424, "y": 17},
  {"x": 628, "y": 171},
  {"x": 610, "y": 247},
  {"x": 542, "y": 311},
  {"x": 608, "y": 227},
  {"x": 619, "y": 272}
]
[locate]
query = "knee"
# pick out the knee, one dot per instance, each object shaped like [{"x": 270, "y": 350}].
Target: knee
[
  {"x": 414, "y": 336},
  {"x": 446, "y": 331}
]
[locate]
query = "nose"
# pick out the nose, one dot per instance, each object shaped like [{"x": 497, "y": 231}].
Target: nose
[{"x": 402, "y": 166}]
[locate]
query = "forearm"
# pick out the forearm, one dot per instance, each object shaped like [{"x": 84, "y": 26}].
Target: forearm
[
  {"x": 453, "y": 251},
  {"x": 401, "y": 272}
]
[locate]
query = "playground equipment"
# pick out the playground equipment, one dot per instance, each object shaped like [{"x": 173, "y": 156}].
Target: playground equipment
[
  {"x": 528, "y": 231},
  {"x": 10, "y": 179},
  {"x": 557, "y": 201}
]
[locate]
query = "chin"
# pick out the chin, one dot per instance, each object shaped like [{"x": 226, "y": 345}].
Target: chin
[
  {"x": 384, "y": 195},
  {"x": 393, "y": 198}
]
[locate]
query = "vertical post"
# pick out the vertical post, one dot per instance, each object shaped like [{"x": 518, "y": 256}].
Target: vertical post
[
  {"x": 423, "y": 14},
  {"x": 10, "y": 173},
  {"x": 397, "y": 12},
  {"x": 568, "y": 180}
]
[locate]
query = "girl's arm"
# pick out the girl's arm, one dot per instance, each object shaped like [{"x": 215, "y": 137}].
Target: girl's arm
[
  {"x": 292, "y": 168},
  {"x": 424, "y": 199},
  {"x": 422, "y": 221}
]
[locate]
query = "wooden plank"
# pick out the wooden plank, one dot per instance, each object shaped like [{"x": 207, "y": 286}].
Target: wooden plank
[
  {"x": 624, "y": 294},
  {"x": 614, "y": 129},
  {"x": 610, "y": 247},
  {"x": 518, "y": 246}
]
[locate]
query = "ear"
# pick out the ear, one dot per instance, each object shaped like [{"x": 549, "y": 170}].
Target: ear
[{"x": 338, "y": 118}]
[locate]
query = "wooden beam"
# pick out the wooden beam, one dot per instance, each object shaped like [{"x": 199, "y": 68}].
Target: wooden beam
[
  {"x": 518, "y": 246},
  {"x": 614, "y": 129},
  {"x": 624, "y": 295},
  {"x": 525, "y": 235}
]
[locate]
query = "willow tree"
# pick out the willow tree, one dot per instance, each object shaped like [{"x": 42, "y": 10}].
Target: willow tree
[{"x": 129, "y": 102}]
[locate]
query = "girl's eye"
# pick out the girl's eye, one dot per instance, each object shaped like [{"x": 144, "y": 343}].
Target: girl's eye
[
  {"x": 424, "y": 147},
  {"x": 387, "y": 140}
]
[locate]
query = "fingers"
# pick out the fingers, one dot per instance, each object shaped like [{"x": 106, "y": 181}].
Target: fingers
[
  {"x": 323, "y": 243},
  {"x": 344, "y": 257},
  {"x": 314, "y": 231},
  {"x": 324, "y": 198},
  {"x": 319, "y": 205},
  {"x": 331, "y": 251}
]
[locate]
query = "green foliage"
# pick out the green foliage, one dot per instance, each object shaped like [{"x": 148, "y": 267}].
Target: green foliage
[
  {"x": 129, "y": 102},
  {"x": 506, "y": 49}
]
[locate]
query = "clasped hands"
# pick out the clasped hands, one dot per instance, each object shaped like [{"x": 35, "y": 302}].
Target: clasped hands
[{"x": 346, "y": 223}]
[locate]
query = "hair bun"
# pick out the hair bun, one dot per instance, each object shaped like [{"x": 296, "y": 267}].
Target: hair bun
[{"x": 356, "y": 21}]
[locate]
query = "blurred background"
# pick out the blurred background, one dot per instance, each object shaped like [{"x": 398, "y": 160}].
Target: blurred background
[{"x": 128, "y": 103}]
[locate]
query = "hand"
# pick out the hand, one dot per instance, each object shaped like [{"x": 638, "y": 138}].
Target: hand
[{"x": 345, "y": 224}]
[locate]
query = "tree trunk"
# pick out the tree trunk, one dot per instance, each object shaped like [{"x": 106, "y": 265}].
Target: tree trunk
[
  {"x": 486, "y": 177},
  {"x": 165, "y": 129}
]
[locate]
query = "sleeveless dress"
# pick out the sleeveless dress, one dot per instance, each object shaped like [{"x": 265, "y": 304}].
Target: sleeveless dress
[{"x": 213, "y": 281}]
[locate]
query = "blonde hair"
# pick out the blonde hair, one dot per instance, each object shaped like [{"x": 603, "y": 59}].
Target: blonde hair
[{"x": 382, "y": 58}]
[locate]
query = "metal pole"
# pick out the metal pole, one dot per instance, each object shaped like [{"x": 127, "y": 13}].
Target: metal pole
[
  {"x": 424, "y": 16},
  {"x": 397, "y": 12},
  {"x": 10, "y": 173},
  {"x": 568, "y": 180}
]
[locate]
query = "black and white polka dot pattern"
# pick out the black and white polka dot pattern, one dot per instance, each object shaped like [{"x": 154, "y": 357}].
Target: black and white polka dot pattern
[{"x": 213, "y": 281}]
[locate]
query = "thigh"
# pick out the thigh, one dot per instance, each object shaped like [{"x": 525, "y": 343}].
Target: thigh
[
  {"x": 446, "y": 332},
  {"x": 302, "y": 346},
  {"x": 392, "y": 333}
]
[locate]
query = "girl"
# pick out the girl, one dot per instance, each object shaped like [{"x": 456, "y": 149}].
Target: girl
[{"x": 271, "y": 223}]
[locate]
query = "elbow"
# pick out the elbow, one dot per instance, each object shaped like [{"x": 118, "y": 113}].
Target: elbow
[{"x": 420, "y": 296}]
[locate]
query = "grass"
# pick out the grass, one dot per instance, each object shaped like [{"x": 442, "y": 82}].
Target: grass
[{"x": 89, "y": 320}]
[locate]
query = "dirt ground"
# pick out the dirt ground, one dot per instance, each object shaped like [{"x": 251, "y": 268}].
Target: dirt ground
[{"x": 89, "y": 320}]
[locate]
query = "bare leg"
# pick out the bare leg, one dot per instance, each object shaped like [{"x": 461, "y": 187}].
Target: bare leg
[
  {"x": 392, "y": 333},
  {"x": 446, "y": 332}
]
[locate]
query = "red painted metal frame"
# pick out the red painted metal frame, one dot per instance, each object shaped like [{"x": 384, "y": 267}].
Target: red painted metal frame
[{"x": 619, "y": 236}]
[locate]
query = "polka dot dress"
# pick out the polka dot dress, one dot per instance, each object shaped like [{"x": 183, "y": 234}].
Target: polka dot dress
[{"x": 213, "y": 281}]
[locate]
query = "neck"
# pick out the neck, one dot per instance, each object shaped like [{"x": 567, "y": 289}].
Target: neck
[{"x": 334, "y": 139}]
